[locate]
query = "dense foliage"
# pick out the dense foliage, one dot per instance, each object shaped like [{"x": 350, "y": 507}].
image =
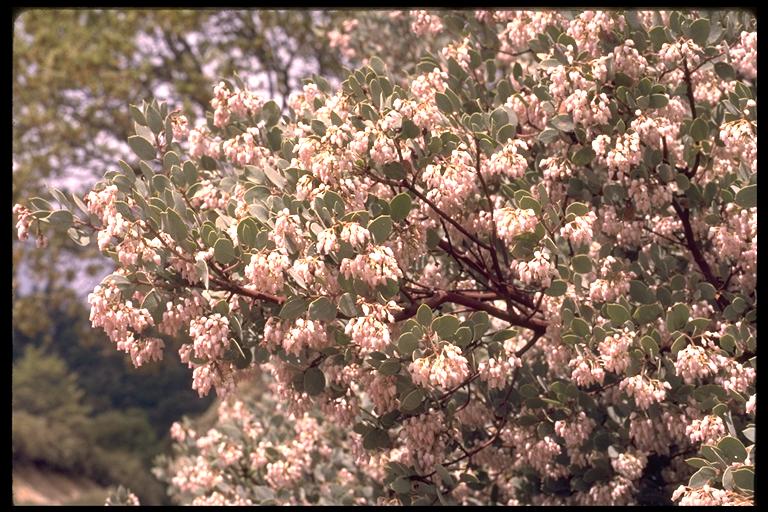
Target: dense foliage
[
  {"x": 74, "y": 71},
  {"x": 521, "y": 271}
]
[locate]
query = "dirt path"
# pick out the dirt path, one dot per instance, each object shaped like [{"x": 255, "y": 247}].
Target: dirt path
[{"x": 34, "y": 486}]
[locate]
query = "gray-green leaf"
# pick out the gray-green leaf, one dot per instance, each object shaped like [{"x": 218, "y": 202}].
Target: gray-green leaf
[{"x": 142, "y": 147}]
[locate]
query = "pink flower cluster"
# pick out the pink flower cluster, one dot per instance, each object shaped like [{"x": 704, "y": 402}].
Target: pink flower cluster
[
  {"x": 586, "y": 28},
  {"x": 630, "y": 465},
  {"x": 445, "y": 370},
  {"x": 707, "y": 430},
  {"x": 507, "y": 161},
  {"x": 295, "y": 337},
  {"x": 625, "y": 153},
  {"x": 210, "y": 336},
  {"x": 693, "y": 362},
  {"x": 497, "y": 371},
  {"x": 511, "y": 222},
  {"x": 423, "y": 444},
  {"x": 25, "y": 220},
  {"x": 342, "y": 39},
  {"x": 368, "y": 332},
  {"x": 579, "y": 230},
  {"x": 575, "y": 430},
  {"x": 227, "y": 103},
  {"x": 425, "y": 23},
  {"x": 628, "y": 60},
  {"x": 177, "y": 317},
  {"x": 265, "y": 271},
  {"x": 644, "y": 390},
  {"x": 586, "y": 370},
  {"x": 744, "y": 55},
  {"x": 452, "y": 181},
  {"x": 373, "y": 268},
  {"x": 614, "y": 351},
  {"x": 122, "y": 322},
  {"x": 209, "y": 197},
  {"x": 707, "y": 496}
]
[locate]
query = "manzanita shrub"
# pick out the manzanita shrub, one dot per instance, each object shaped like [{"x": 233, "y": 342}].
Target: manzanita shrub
[{"x": 524, "y": 273}]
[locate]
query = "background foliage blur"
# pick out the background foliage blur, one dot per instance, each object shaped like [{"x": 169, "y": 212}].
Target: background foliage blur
[{"x": 78, "y": 405}]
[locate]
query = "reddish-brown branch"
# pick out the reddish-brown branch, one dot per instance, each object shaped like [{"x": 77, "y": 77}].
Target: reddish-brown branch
[
  {"x": 698, "y": 256},
  {"x": 474, "y": 301}
]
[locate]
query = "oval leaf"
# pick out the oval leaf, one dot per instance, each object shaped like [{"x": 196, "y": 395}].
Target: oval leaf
[
  {"x": 314, "y": 381},
  {"x": 142, "y": 147}
]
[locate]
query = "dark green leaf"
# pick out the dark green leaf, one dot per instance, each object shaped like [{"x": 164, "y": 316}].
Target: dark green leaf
[
  {"x": 747, "y": 197},
  {"x": 424, "y": 315},
  {"x": 583, "y": 156},
  {"x": 407, "y": 343},
  {"x": 445, "y": 475},
  {"x": 563, "y": 122},
  {"x": 650, "y": 346},
  {"x": 677, "y": 317},
  {"x": 658, "y": 100},
  {"x": 347, "y": 305},
  {"x": 529, "y": 203},
  {"x": 577, "y": 209},
  {"x": 580, "y": 327},
  {"x": 175, "y": 226},
  {"x": 224, "y": 251},
  {"x": 445, "y": 326},
  {"x": 557, "y": 288},
  {"x": 443, "y": 103},
  {"x": 293, "y": 308},
  {"x": 724, "y": 71},
  {"x": 401, "y": 485},
  {"x": 395, "y": 170},
  {"x": 400, "y": 206},
  {"x": 703, "y": 476},
  {"x": 380, "y": 228},
  {"x": 391, "y": 367},
  {"x": 697, "y": 462},
  {"x": 314, "y": 381},
  {"x": 617, "y": 313},
  {"x": 699, "y": 129},
  {"x": 505, "y": 133},
  {"x": 60, "y": 219},
  {"x": 640, "y": 292},
  {"x": 375, "y": 439},
  {"x": 581, "y": 263},
  {"x": 658, "y": 37},
  {"x": 732, "y": 449},
  {"x": 744, "y": 478},
  {"x": 463, "y": 336},
  {"x": 699, "y": 31},
  {"x": 322, "y": 309},
  {"x": 412, "y": 400}
]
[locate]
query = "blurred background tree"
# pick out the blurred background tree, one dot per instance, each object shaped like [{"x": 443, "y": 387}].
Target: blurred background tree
[
  {"x": 76, "y": 71},
  {"x": 55, "y": 428}
]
